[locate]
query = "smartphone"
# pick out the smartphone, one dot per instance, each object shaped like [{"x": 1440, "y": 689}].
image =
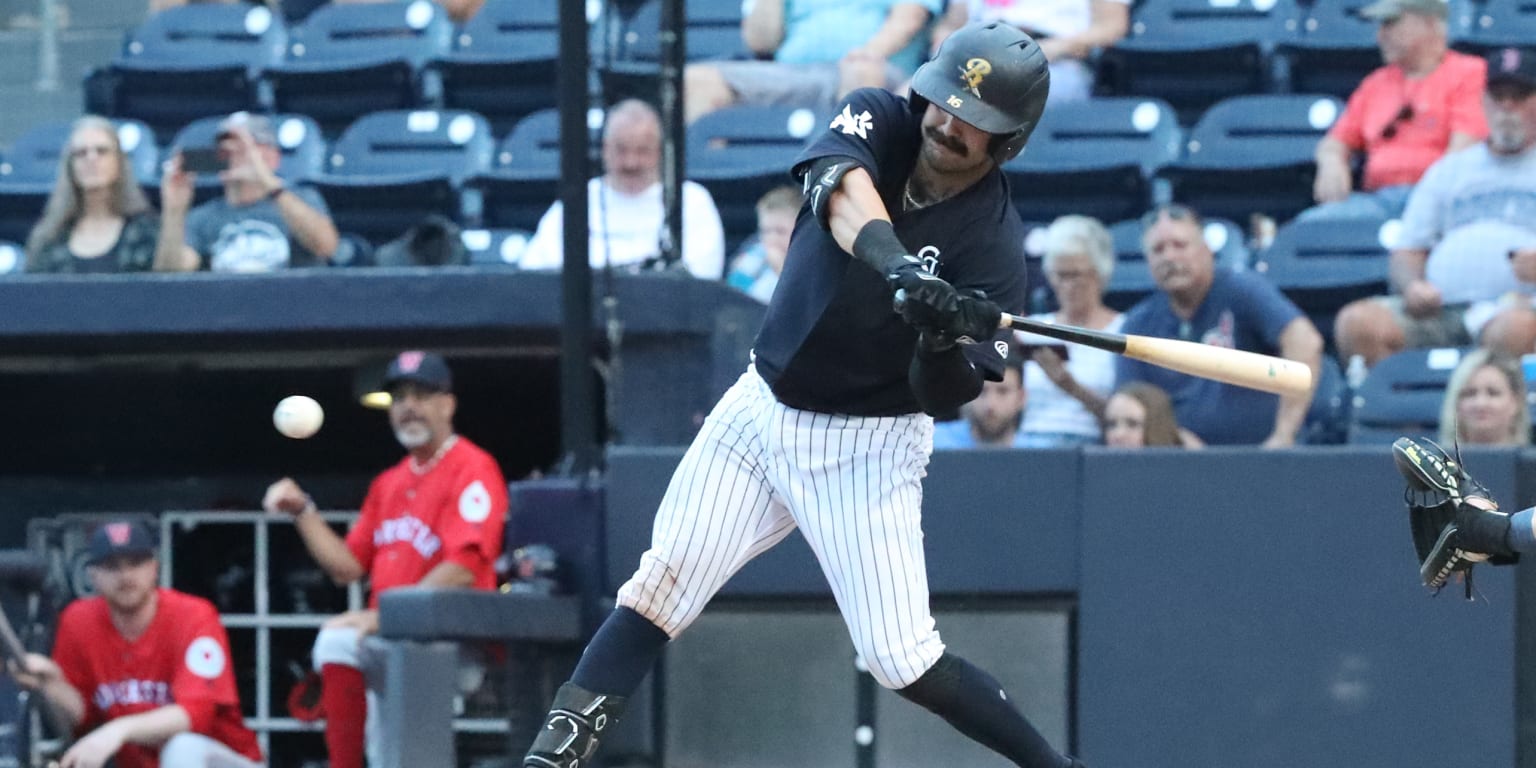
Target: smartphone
[{"x": 201, "y": 160}]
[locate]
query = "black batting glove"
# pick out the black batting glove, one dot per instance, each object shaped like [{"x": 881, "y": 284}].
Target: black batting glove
[
  {"x": 924, "y": 301},
  {"x": 947, "y": 317}
]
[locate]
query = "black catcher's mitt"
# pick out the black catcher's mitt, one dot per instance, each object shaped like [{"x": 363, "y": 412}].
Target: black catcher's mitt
[{"x": 1449, "y": 534}]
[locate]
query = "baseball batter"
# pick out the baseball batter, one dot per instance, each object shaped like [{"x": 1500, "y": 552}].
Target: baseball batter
[
  {"x": 143, "y": 673},
  {"x": 828, "y": 431},
  {"x": 434, "y": 520}
]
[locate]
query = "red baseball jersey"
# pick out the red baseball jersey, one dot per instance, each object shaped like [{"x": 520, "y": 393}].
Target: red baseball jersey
[
  {"x": 182, "y": 658},
  {"x": 453, "y": 511}
]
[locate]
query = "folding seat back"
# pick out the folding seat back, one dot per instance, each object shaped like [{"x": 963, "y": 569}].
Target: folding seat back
[
  {"x": 524, "y": 178},
  {"x": 504, "y": 62}
]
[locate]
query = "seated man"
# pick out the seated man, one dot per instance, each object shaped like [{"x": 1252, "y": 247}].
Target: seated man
[
  {"x": 624, "y": 206},
  {"x": 820, "y": 49},
  {"x": 1196, "y": 300},
  {"x": 1464, "y": 268},
  {"x": 1419, "y": 106},
  {"x": 433, "y": 520},
  {"x": 141, "y": 673},
  {"x": 259, "y": 224}
]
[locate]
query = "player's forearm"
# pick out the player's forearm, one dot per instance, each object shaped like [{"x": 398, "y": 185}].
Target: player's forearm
[
  {"x": 942, "y": 381},
  {"x": 447, "y": 576},
  {"x": 854, "y": 204},
  {"x": 329, "y": 550},
  {"x": 154, "y": 727}
]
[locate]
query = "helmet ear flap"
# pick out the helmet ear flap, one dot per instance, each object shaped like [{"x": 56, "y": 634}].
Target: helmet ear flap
[{"x": 1005, "y": 147}]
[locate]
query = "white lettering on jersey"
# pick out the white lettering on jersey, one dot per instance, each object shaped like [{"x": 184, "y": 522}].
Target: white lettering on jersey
[
  {"x": 1002, "y": 349},
  {"x": 205, "y": 658},
  {"x": 854, "y": 125},
  {"x": 129, "y": 692},
  {"x": 475, "y": 503},
  {"x": 929, "y": 256},
  {"x": 407, "y": 529}
]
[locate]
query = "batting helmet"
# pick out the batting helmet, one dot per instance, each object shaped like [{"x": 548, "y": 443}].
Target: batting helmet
[{"x": 992, "y": 76}]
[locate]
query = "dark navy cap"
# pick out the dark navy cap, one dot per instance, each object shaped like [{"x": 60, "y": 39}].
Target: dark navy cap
[
  {"x": 120, "y": 537},
  {"x": 424, "y": 368}
]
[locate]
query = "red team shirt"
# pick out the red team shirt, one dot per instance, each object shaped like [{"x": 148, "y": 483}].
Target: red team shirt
[
  {"x": 455, "y": 511},
  {"x": 182, "y": 658}
]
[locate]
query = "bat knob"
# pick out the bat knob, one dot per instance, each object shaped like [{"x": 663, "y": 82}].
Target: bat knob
[{"x": 899, "y": 301}]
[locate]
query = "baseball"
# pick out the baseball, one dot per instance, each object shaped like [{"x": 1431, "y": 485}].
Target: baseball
[{"x": 298, "y": 416}]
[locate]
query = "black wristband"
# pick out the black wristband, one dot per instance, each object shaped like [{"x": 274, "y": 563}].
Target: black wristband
[{"x": 878, "y": 246}]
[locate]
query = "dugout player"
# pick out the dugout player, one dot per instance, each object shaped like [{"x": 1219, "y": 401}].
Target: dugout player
[
  {"x": 433, "y": 520},
  {"x": 141, "y": 672},
  {"x": 829, "y": 429}
]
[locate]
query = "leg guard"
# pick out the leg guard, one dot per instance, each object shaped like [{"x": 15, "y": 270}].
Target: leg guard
[{"x": 571, "y": 732}]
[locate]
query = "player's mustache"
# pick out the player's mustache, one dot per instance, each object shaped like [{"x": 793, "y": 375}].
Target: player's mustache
[{"x": 946, "y": 142}]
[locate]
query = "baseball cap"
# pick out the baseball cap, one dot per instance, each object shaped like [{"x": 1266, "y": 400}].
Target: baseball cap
[
  {"x": 1385, "y": 10},
  {"x": 1513, "y": 65},
  {"x": 424, "y": 368},
  {"x": 259, "y": 126},
  {"x": 120, "y": 537}
]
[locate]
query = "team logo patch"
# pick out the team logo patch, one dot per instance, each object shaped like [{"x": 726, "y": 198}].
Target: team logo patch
[
  {"x": 974, "y": 71},
  {"x": 854, "y": 125},
  {"x": 205, "y": 658},
  {"x": 1002, "y": 348},
  {"x": 118, "y": 533},
  {"x": 475, "y": 503},
  {"x": 410, "y": 362}
]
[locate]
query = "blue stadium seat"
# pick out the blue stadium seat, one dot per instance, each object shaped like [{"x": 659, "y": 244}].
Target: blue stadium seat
[
  {"x": 1332, "y": 50},
  {"x": 1327, "y": 421},
  {"x": 188, "y": 62},
  {"x": 503, "y": 63},
  {"x": 347, "y": 60},
  {"x": 740, "y": 153},
  {"x": 524, "y": 178},
  {"x": 390, "y": 169},
  {"x": 28, "y": 172},
  {"x": 1132, "y": 280},
  {"x": 629, "y": 64},
  {"x": 1094, "y": 158},
  {"x": 1253, "y": 154},
  {"x": 1323, "y": 265},
  {"x": 1402, "y": 395},
  {"x": 298, "y": 137},
  {"x": 495, "y": 247},
  {"x": 1193, "y": 53},
  {"x": 13, "y": 259},
  {"x": 1479, "y": 27}
]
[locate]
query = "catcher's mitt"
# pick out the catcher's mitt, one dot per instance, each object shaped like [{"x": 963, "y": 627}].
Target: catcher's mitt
[{"x": 1449, "y": 534}]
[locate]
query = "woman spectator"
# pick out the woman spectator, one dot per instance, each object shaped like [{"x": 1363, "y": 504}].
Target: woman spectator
[
  {"x": 96, "y": 219},
  {"x": 1485, "y": 402},
  {"x": 1140, "y": 415},
  {"x": 1066, "y": 394}
]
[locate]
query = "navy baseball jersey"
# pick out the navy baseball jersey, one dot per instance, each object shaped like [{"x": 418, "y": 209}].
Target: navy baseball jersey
[{"x": 831, "y": 341}]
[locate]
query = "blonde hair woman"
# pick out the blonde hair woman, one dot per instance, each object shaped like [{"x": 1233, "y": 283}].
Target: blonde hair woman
[{"x": 1485, "y": 402}]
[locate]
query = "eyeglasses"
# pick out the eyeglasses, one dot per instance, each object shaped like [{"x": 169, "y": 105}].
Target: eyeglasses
[
  {"x": 1174, "y": 211},
  {"x": 1403, "y": 115},
  {"x": 101, "y": 149}
]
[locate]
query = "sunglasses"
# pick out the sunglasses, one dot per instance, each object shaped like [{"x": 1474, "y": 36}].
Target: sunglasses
[
  {"x": 1174, "y": 211},
  {"x": 1403, "y": 115}
]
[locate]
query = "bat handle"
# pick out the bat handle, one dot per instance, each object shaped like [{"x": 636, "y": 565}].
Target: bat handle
[{"x": 899, "y": 301}]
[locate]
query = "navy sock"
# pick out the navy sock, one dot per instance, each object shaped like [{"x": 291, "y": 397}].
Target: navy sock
[
  {"x": 1522, "y": 538},
  {"x": 971, "y": 701},
  {"x": 624, "y": 649}
]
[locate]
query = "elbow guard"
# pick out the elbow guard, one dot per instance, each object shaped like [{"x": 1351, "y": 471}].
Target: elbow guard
[{"x": 821, "y": 179}]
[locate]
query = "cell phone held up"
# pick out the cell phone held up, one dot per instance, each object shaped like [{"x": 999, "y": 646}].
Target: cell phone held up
[
  {"x": 1027, "y": 351},
  {"x": 201, "y": 160}
]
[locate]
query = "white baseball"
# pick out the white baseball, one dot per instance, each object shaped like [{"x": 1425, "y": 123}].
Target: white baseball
[{"x": 298, "y": 416}]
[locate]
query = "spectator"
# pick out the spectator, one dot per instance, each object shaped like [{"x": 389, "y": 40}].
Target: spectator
[
  {"x": 1140, "y": 415},
  {"x": 992, "y": 419},
  {"x": 259, "y": 224},
  {"x": 820, "y": 50},
  {"x": 1199, "y": 301},
  {"x": 1485, "y": 402},
  {"x": 755, "y": 270},
  {"x": 433, "y": 520},
  {"x": 1468, "y": 239},
  {"x": 1069, "y": 31},
  {"x": 624, "y": 217},
  {"x": 1422, "y": 104},
  {"x": 97, "y": 219},
  {"x": 1066, "y": 396},
  {"x": 141, "y": 672}
]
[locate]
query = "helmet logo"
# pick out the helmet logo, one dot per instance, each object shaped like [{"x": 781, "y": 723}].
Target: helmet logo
[{"x": 973, "y": 72}]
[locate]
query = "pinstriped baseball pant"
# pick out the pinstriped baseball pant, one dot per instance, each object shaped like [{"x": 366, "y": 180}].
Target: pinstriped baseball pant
[{"x": 852, "y": 485}]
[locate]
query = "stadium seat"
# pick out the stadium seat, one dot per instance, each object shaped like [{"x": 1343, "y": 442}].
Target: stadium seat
[
  {"x": 348, "y": 59},
  {"x": 1479, "y": 27},
  {"x": 1094, "y": 158},
  {"x": 1331, "y": 51},
  {"x": 629, "y": 65},
  {"x": 495, "y": 247},
  {"x": 1323, "y": 265},
  {"x": 28, "y": 172},
  {"x": 1327, "y": 421},
  {"x": 390, "y": 169},
  {"x": 740, "y": 153},
  {"x": 525, "y": 175},
  {"x": 1132, "y": 280},
  {"x": 298, "y": 137},
  {"x": 1402, "y": 395},
  {"x": 1253, "y": 154},
  {"x": 1193, "y": 53},
  {"x": 503, "y": 62},
  {"x": 188, "y": 62}
]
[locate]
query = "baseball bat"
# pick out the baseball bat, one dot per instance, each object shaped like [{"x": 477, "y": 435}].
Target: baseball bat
[{"x": 1267, "y": 373}]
